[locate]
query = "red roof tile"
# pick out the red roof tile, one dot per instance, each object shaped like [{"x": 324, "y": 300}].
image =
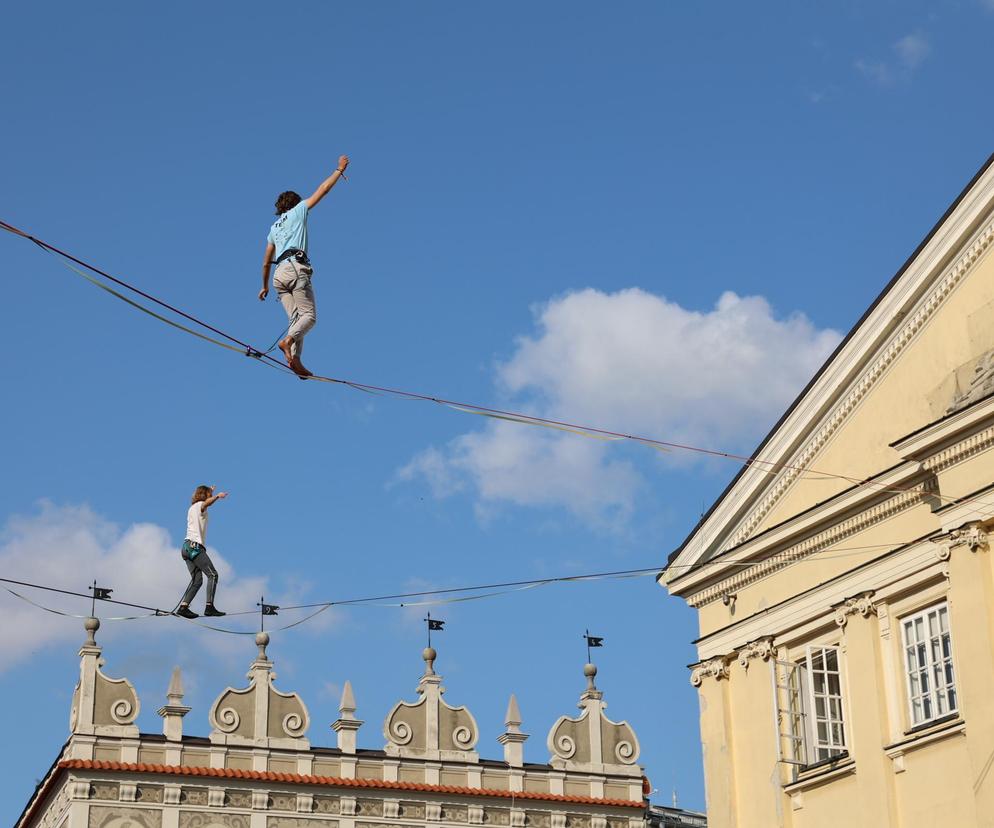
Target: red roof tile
[{"x": 335, "y": 781}]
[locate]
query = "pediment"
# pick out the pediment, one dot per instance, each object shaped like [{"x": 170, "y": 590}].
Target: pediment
[{"x": 923, "y": 349}]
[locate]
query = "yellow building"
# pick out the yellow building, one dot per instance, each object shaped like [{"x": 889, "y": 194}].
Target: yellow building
[{"x": 844, "y": 580}]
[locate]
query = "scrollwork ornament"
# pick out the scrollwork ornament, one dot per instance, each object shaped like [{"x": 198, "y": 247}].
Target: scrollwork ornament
[
  {"x": 463, "y": 737},
  {"x": 861, "y": 604},
  {"x": 121, "y": 711},
  {"x": 294, "y": 725},
  {"x": 228, "y": 720},
  {"x": 565, "y": 746},
  {"x": 716, "y": 668},
  {"x": 761, "y": 648},
  {"x": 625, "y": 752},
  {"x": 973, "y": 537},
  {"x": 401, "y": 733}
]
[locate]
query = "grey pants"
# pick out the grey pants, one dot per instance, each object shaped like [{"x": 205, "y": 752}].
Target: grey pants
[
  {"x": 292, "y": 281},
  {"x": 198, "y": 566}
]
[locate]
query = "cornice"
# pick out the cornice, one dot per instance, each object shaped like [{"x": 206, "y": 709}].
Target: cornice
[
  {"x": 818, "y": 542},
  {"x": 816, "y": 608},
  {"x": 906, "y": 334},
  {"x": 924, "y": 442},
  {"x": 920, "y": 309}
]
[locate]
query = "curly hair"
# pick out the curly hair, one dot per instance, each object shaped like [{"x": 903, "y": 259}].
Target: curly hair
[
  {"x": 287, "y": 201},
  {"x": 200, "y": 493}
]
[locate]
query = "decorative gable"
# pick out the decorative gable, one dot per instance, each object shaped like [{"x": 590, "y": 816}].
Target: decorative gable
[
  {"x": 430, "y": 728},
  {"x": 259, "y": 714},
  {"x": 592, "y": 742}
]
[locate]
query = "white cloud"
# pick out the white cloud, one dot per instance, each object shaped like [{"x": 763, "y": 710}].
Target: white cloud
[
  {"x": 911, "y": 50},
  {"x": 70, "y": 546},
  {"x": 908, "y": 54},
  {"x": 632, "y": 362}
]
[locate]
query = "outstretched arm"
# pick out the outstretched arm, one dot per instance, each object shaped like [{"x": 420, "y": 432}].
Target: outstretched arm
[
  {"x": 267, "y": 262},
  {"x": 328, "y": 183},
  {"x": 214, "y": 498}
]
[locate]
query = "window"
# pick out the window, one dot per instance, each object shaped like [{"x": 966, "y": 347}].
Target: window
[
  {"x": 810, "y": 721},
  {"x": 928, "y": 655}
]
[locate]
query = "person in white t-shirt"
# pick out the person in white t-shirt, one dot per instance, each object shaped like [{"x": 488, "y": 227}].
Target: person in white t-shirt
[{"x": 194, "y": 552}]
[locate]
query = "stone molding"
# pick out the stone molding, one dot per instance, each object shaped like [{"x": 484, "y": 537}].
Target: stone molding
[
  {"x": 761, "y": 648},
  {"x": 963, "y": 450},
  {"x": 859, "y": 388},
  {"x": 716, "y": 668},
  {"x": 816, "y": 543},
  {"x": 861, "y": 604}
]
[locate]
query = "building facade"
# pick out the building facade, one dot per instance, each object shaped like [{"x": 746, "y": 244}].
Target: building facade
[
  {"x": 844, "y": 581},
  {"x": 258, "y": 769}
]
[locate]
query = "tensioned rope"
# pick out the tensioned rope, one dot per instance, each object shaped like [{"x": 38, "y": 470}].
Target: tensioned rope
[
  {"x": 763, "y": 466},
  {"x": 451, "y": 595}
]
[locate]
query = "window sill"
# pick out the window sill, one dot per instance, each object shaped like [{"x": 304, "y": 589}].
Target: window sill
[
  {"x": 923, "y": 735},
  {"x": 822, "y": 773}
]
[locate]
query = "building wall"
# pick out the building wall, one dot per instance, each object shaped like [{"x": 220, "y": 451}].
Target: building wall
[{"x": 801, "y": 562}]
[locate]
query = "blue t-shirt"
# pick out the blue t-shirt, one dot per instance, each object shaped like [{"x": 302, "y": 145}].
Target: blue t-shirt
[{"x": 290, "y": 230}]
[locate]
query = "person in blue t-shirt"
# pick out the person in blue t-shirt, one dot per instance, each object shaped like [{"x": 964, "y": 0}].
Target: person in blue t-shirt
[{"x": 287, "y": 246}]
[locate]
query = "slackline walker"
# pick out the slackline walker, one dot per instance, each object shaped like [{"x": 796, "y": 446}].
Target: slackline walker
[
  {"x": 287, "y": 242},
  {"x": 194, "y": 552},
  {"x": 232, "y": 343}
]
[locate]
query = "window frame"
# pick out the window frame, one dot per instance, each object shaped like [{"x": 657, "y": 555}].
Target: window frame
[
  {"x": 816, "y": 745},
  {"x": 933, "y": 694},
  {"x": 796, "y": 710}
]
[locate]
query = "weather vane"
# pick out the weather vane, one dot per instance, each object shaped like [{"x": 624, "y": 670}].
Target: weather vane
[
  {"x": 264, "y": 610},
  {"x": 433, "y": 624},
  {"x": 592, "y": 641},
  {"x": 99, "y": 594}
]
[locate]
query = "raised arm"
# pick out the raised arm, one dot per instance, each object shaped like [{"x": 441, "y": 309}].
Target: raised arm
[
  {"x": 267, "y": 262},
  {"x": 214, "y": 498},
  {"x": 325, "y": 187}
]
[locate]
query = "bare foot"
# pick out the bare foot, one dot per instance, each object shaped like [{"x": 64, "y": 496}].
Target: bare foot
[{"x": 286, "y": 346}]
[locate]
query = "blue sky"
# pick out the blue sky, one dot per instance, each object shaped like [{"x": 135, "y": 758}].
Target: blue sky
[{"x": 647, "y": 216}]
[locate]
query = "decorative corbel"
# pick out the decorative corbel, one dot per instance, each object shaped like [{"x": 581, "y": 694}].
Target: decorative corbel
[
  {"x": 862, "y": 604},
  {"x": 974, "y": 537},
  {"x": 716, "y": 668},
  {"x": 760, "y": 648}
]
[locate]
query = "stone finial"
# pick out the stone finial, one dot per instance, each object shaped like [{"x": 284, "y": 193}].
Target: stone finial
[
  {"x": 347, "y": 725},
  {"x": 174, "y": 710},
  {"x": 590, "y": 671},
  {"x": 512, "y": 738},
  {"x": 260, "y": 715},
  {"x": 591, "y": 742},
  {"x": 262, "y": 641},
  {"x": 430, "y": 728},
  {"x": 101, "y": 705}
]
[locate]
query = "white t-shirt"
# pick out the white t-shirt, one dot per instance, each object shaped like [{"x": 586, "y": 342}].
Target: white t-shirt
[{"x": 196, "y": 523}]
